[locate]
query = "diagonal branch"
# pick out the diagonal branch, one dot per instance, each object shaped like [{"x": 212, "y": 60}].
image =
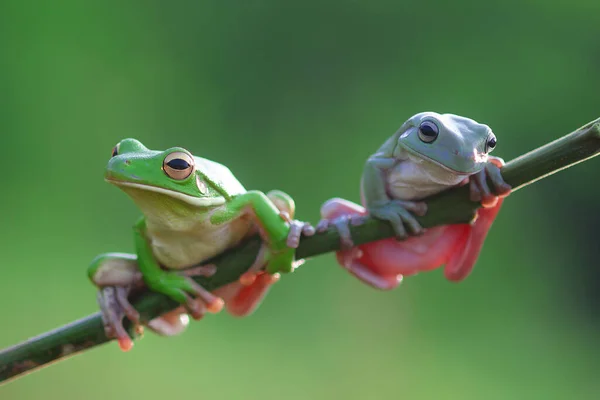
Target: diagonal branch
[{"x": 450, "y": 207}]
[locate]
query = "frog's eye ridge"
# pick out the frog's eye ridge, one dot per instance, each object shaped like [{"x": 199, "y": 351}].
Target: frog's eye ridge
[
  {"x": 491, "y": 143},
  {"x": 178, "y": 165},
  {"x": 428, "y": 131},
  {"x": 115, "y": 151}
]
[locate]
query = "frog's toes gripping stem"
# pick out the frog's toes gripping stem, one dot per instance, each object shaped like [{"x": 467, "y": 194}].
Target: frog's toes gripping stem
[
  {"x": 114, "y": 306},
  {"x": 400, "y": 213},
  {"x": 297, "y": 229},
  {"x": 481, "y": 191},
  {"x": 199, "y": 300},
  {"x": 117, "y": 277},
  {"x": 341, "y": 223},
  {"x": 341, "y": 214},
  {"x": 205, "y": 300},
  {"x": 274, "y": 213}
]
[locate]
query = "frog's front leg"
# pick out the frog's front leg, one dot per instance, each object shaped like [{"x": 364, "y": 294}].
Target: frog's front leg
[
  {"x": 178, "y": 286},
  {"x": 272, "y": 225},
  {"x": 243, "y": 297},
  {"x": 398, "y": 212}
]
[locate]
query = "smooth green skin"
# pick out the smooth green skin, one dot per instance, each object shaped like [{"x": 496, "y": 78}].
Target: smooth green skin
[
  {"x": 460, "y": 149},
  {"x": 210, "y": 210}
]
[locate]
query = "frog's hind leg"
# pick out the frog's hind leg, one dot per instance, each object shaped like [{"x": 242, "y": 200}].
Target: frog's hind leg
[
  {"x": 340, "y": 213},
  {"x": 171, "y": 323},
  {"x": 117, "y": 276},
  {"x": 242, "y": 299},
  {"x": 461, "y": 262}
]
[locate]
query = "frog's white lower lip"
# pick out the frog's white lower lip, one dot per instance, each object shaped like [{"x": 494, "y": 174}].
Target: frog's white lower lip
[{"x": 195, "y": 201}]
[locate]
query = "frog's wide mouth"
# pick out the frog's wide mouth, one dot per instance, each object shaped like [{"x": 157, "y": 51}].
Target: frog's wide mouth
[
  {"x": 194, "y": 201},
  {"x": 422, "y": 156}
]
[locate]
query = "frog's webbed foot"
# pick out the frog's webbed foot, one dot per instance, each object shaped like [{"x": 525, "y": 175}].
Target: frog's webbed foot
[
  {"x": 350, "y": 260},
  {"x": 249, "y": 277},
  {"x": 342, "y": 225},
  {"x": 341, "y": 214},
  {"x": 243, "y": 297},
  {"x": 114, "y": 306},
  {"x": 201, "y": 300},
  {"x": 400, "y": 213},
  {"x": 481, "y": 191}
]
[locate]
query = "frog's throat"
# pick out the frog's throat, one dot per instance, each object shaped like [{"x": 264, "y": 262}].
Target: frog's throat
[
  {"x": 195, "y": 201},
  {"x": 417, "y": 154}
]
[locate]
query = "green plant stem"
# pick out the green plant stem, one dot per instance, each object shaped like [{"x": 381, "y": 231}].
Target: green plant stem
[{"x": 450, "y": 207}]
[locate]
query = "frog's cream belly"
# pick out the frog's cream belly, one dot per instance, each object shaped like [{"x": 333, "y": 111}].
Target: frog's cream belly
[
  {"x": 178, "y": 250},
  {"x": 414, "y": 179}
]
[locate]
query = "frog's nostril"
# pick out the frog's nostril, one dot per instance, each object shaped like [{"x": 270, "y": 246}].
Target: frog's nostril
[{"x": 127, "y": 162}]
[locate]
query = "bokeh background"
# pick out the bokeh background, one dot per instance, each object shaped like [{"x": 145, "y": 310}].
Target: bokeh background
[{"x": 295, "y": 96}]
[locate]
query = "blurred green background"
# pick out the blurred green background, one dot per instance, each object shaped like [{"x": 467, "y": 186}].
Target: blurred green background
[{"x": 295, "y": 96}]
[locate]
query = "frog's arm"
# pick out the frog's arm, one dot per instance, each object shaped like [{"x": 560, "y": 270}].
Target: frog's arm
[
  {"x": 147, "y": 265},
  {"x": 172, "y": 284},
  {"x": 273, "y": 228},
  {"x": 375, "y": 196},
  {"x": 373, "y": 180},
  {"x": 245, "y": 295}
]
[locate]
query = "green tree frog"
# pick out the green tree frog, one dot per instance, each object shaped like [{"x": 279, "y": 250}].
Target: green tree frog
[
  {"x": 193, "y": 209},
  {"x": 428, "y": 154}
]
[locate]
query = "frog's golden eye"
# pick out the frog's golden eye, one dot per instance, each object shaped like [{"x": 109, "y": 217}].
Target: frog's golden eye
[
  {"x": 491, "y": 143},
  {"x": 178, "y": 165},
  {"x": 115, "y": 151},
  {"x": 428, "y": 131}
]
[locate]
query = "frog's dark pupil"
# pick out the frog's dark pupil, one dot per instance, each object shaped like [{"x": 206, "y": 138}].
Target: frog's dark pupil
[
  {"x": 428, "y": 130},
  {"x": 492, "y": 143},
  {"x": 178, "y": 163}
]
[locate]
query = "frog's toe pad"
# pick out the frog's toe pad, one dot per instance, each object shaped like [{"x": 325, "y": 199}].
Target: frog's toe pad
[
  {"x": 114, "y": 306},
  {"x": 215, "y": 306},
  {"x": 170, "y": 324}
]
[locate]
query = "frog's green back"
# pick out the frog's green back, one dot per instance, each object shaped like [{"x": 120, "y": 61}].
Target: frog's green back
[{"x": 220, "y": 174}]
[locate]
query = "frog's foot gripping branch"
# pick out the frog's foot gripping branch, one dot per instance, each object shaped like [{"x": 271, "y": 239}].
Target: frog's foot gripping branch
[
  {"x": 481, "y": 191},
  {"x": 118, "y": 277},
  {"x": 340, "y": 214}
]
